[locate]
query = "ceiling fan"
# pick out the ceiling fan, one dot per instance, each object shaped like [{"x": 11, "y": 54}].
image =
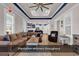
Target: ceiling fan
[{"x": 40, "y": 6}]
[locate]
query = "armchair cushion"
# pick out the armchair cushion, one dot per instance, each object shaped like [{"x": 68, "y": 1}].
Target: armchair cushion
[{"x": 53, "y": 35}]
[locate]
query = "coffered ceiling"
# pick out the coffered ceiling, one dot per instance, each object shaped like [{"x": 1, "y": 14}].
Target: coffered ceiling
[
  {"x": 50, "y": 11},
  {"x": 43, "y": 13}
]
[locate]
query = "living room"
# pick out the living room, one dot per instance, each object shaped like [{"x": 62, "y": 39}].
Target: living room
[{"x": 33, "y": 24}]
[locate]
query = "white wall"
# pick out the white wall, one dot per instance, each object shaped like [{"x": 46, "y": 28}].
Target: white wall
[
  {"x": 40, "y": 21},
  {"x": 74, "y": 15},
  {"x": 25, "y": 24},
  {"x": 18, "y": 24},
  {"x": 19, "y": 19},
  {"x": 1, "y": 20},
  {"x": 74, "y": 11},
  {"x": 53, "y": 25}
]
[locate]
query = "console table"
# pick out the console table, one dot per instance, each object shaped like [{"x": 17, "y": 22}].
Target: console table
[{"x": 64, "y": 39}]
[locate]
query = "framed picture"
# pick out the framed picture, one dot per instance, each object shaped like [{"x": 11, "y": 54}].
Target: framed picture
[{"x": 33, "y": 25}]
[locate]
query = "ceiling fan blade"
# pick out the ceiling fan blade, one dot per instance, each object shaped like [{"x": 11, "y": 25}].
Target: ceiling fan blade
[
  {"x": 36, "y": 8},
  {"x": 47, "y": 3},
  {"x": 41, "y": 9},
  {"x": 45, "y": 7},
  {"x": 35, "y": 3},
  {"x": 32, "y": 6}
]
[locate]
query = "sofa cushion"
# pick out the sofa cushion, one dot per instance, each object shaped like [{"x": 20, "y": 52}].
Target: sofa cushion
[
  {"x": 17, "y": 42},
  {"x": 6, "y": 38},
  {"x": 13, "y": 37},
  {"x": 33, "y": 39},
  {"x": 1, "y": 38},
  {"x": 19, "y": 36}
]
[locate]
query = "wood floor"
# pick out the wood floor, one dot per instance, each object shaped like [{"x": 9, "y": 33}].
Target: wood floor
[
  {"x": 46, "y": 54},
  {"x": 46, "y": 42}
]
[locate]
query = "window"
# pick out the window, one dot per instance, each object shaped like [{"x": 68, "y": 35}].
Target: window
[{"x": 9, "y": 23}]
